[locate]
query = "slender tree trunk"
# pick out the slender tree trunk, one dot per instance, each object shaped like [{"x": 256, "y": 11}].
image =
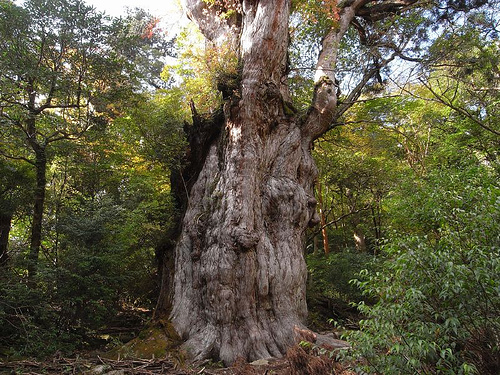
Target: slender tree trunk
[
  {"x": 5, "y": 223},
  {"x": 359, "y": 239},
  {"x": 324, "y": 233},
  {"x": 39, "y": 200}
]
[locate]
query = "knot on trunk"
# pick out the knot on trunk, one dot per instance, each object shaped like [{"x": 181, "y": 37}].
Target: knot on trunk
[
  {"x": 324, "y": 93},
  {"x": 270, "y": 91},
  {"x": 245, "y": 238},
  {"x": 286, "y": 201},
  {"x": 314, "y": 217}
]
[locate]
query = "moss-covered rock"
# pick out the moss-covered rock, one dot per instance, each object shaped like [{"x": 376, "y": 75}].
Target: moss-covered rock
[{"x": 155, "y": 341}]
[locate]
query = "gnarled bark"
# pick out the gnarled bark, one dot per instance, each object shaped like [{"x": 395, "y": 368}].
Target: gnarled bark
[{"x": 240, "y": 275}]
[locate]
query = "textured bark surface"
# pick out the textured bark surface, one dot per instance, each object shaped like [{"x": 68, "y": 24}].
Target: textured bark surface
[
  {"x": 39, "y": 199},
  {"x": 240, "y": 275}
]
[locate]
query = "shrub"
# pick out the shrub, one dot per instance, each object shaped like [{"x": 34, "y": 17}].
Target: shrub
[
  {"x": 330, "y": 276},
  {"x": 100, "y": 265},
  {"x": 329, "y": 293},
  {"x": 28, "y": 320},
  {"x": 438, "y": 308}
]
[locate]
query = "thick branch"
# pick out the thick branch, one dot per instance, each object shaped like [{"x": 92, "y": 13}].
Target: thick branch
[
  {"x": 60, "y": 135},
  {"x": 211, "y": 22},
  {"x": 324, "y": 105},
  {"x": 12, "y": 157},
  {"x": 324, "y": 112},
  {"x": 329, "y": 50},
  {"x": 378, "y": 11},
  {"x": 55, "y": 106}
]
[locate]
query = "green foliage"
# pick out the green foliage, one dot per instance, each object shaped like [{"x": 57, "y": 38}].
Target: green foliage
[
  {"x": 330, "y": 276},
  {"x": 139, "y": 40},
  {"x": 438, "y": 305},
  {"x": 15, "y": 182},
  {"x": 107, "y": 209},
  {"x": 358, "y": 168},
  {"x": 105, "y": 259},
  {"x": 155, "y": 127},
  {"x": 108, "y": 145},
  {"x": 23, "y": 313},
  {"x": 97, "y": 269},
  {"x": 203, "y": 70}
]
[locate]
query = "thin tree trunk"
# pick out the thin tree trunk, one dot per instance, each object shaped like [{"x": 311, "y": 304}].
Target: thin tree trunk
[
  {"x": 5, "y": 223},
  {"x": 324, "y": 233},
  {"x": 359, "y": 239},
  {"x": 39, "y": 199}
]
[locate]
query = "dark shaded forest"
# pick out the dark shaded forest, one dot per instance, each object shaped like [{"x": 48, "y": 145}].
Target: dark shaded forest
[{"x": 105, "y": 127}]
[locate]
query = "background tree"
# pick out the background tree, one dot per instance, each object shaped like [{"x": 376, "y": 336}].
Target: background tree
[
  {"x": 106, "y": 202},
  {"x": 62, "y": 66},
  {"x": 53, "y": 64},
  {"x": 440, "y": 263},
  {"x": 15, "y": 185}
]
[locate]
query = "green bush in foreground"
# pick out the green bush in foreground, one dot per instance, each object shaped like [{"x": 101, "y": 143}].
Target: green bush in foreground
[{"x": 438, "y": 309}]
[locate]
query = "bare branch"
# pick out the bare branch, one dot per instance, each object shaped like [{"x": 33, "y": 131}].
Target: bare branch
[
  {"x": 380, "y": 10},
  {"x": 61, "y": 134},
  {"x": 56, "y": 106},
  {"x": 355, "y": 93},
  {"x": 342, "y": 217},
  {"x": 12, "y": 157},
  {"x": 327, "y": 60},
  {"x": 445, "y": 101}
]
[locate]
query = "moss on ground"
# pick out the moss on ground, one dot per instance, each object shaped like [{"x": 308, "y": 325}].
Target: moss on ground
[{"x": 155, "y": 341}]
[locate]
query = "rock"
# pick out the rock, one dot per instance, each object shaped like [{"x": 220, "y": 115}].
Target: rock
[
  {"x": 329, "y": 342},
  {"x": 260, "y": 362}
]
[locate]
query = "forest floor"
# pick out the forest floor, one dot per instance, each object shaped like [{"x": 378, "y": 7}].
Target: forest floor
[
  {"x": 103, "y": 361},
  {"x": 289, "y": 365}
]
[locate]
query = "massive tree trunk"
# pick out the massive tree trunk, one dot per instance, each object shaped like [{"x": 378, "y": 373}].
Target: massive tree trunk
[{"x": 240, "y": 275}]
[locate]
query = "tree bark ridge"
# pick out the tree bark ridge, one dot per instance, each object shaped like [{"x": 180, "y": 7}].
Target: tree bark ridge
[
  {"x": 240, "y": 273},
  {"x": 239, "y": 285}
]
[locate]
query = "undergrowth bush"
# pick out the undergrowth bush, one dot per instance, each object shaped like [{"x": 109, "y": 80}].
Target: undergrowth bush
[
  {"x": 99, "y": 266},
  {"x": 330, "y": 276},
  {"x": 330, "y": 295},
  {"x": 30, "y": 320},
  {"x": 438, "y": 309}
]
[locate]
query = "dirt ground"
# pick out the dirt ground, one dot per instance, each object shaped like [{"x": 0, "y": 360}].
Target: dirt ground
[{"x": 297, "y": 362}]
